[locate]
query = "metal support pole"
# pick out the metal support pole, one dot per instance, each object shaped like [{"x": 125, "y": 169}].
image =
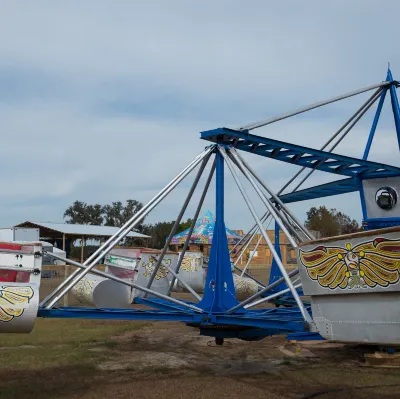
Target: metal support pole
[
  {"x": 196, "y": 215},
  {"x": 75, "y": 278},
  {"x": 366, "y": 108},
  {"x": 251, "y": 256},
  {"x": 246, "y": 236},
  {"x": 66, "y": 269},
  {"x": 395, "y": 105},
  {"x": 177, "y": 222},
  {"x": 268, "y": 298},
  {"x": 374, "y": 124},
  {"x": 82, "y": 248},
  {"x": 110, "y": 243},
  {"x": 297, "y": 174},
  {"x": 129, "y": 284},
  {"x": 266, "y": 202},
  {"x": 243, "y": 250},
  {"x": 262, "y": 285},
  {"x": 242, "y": 163},
  {"x": 292, "y": 225},
  {"x": 300, "y": 304},
  {"x": 187, "y": 286},
  {"x": 263, "y": 291},
  {"x": 252, "y": 126}
]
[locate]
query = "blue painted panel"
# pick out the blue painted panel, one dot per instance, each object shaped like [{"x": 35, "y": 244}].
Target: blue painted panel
[{"x": 324, "y": 190}]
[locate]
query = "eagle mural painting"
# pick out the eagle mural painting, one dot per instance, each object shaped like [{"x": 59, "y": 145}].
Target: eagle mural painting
[{"x": 366, "y": 265}]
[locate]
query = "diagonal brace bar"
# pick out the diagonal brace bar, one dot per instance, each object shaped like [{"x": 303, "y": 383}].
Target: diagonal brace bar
[
  {"x": 129, "y": 284},
  {"x": 300, "y": 304}
]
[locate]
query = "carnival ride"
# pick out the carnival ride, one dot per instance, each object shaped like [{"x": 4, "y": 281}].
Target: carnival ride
[{"x": 353, "y": 284}]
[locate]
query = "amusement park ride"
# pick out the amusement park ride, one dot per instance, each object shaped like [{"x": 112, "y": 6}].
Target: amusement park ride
[{"x": 352, "y": 280}]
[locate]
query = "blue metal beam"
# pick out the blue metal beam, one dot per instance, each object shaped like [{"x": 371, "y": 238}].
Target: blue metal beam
[
  {"x": 284, "y": 320},
  {"x": 114, "y": 314},
  {"x": 299, "y": 155},
  {"x": 324, "y": 190},
  {"x": 162, "y": 304}
]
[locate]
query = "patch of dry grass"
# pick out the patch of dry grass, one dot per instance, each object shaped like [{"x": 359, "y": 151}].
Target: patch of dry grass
[
  {"x": 49, "y": 332},
  {"x": 57, "y": 357}
]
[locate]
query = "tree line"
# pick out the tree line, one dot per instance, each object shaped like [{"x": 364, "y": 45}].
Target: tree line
[
  {"x": 327, "y": 222},
  {"x": 117, "y": 214},
  {"x": 330, "y": 222}
]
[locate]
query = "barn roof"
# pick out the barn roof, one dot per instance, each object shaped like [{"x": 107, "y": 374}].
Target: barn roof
[{"x": 48, "y": 229}]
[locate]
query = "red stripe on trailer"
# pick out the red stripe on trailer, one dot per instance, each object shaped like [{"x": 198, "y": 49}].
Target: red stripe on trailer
[
  {"x": 9, "y": 276},
  {"x": 9, "y": 245}
]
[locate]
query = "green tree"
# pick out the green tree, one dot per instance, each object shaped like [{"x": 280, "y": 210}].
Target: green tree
[
  {"x": 118, "y": 214},
  {"x": 347, "y": 225},
  {"x": 185, "y": 225},
  {"x": 330, "y": 222},
  {"x": 82, "y": 213},
  {"x": 160, "y": 231}
]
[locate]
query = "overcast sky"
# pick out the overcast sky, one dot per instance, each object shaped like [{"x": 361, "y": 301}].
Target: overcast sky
[{"x": 103, "y": 101}]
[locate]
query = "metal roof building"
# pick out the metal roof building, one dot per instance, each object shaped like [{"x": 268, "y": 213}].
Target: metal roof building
[
  {"x": 64, "y": 234},
  {"x": 75, "y": 231}
]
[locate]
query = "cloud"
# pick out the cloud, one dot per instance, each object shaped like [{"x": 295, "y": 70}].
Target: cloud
[{"x": 104, "y": 102}]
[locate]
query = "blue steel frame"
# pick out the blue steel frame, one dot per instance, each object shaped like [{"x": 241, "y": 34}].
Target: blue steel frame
[
  {"x": 219, "y": 292},
  {"x": 348, "y": 185},
  {"x": 376, "y": 223},
  {"x": 356, "y": 169},
  {"x": 336, "y": 187},
  {"x": 268, "y": 320},
  {"x": 219, "y": 296},
  {"x": 300, "y": 155}
]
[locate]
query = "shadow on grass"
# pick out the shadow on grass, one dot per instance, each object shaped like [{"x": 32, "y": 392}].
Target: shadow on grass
[{"x": 61, "y": 382}]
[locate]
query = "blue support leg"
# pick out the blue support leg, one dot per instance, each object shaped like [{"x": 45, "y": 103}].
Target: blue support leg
[
  {"x": 395, "y": 106},
  {"x": 219, "y": 291},
  {"x": 275, "y": 273},
  {"x": 374, "y": 124}
]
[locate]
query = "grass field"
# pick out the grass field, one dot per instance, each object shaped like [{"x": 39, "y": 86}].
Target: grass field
[{"x": 97, "y": 359}]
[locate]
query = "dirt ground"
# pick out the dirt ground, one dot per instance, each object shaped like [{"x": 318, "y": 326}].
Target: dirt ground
[
  {"x": 165, "y": 360},
  {"x": 73, "y": 359}
]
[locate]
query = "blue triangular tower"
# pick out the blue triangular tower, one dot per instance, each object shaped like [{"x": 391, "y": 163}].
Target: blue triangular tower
[{"x": 219, "y": 291}]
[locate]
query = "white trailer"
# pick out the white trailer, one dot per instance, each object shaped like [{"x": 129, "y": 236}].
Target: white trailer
[{"x": 19, "y": 234}]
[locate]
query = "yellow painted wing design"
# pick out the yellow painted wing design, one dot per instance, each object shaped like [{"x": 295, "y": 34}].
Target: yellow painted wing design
[
  {"x": 379, "y": 261},
  {"x": 190, "y": 263},
  {"x": 326, "y": 264},
  {"x": 11, "y": 295},
  {"x": 162, "y": 270}
]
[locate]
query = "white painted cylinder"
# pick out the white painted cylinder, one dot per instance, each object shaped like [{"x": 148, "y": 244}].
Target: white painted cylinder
[
  {"x": 19, "y": 304},
  {"x": 192, "y": 272},
  {"x": 163, "y": 278},
  {"x": 244, "y": 287},
  {"x": 102, "y": 292}
]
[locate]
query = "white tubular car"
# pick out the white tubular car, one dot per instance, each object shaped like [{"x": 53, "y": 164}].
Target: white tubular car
[{"x": 20, "y": 269}]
